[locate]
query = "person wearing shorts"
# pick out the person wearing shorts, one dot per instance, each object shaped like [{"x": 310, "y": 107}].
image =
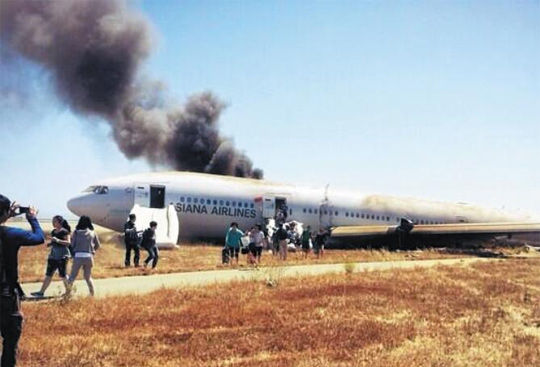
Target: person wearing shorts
[{"x": 59, "y": 254}]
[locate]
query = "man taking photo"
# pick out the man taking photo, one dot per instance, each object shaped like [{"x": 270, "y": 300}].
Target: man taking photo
[{"x": 11, "y": 239}]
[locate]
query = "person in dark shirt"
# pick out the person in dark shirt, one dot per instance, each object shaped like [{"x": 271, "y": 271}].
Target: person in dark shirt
[
  {"x": 282, "y": 236},
  {"x": 131, "y": 240},
  {"x": 320, "y": 241},
  {"x": 11, "y": 318},
  {"x": 149, "y": 244},
  {"x": 59, "y": 255}
]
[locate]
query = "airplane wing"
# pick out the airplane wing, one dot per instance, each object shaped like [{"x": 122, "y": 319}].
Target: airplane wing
[{"x": 432, "y": 235}]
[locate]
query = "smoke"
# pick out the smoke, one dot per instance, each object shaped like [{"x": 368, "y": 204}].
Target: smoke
[{"x": 93, "y": 50}]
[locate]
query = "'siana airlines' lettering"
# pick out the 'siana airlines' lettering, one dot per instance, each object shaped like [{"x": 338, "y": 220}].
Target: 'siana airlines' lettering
[{"x": 216, "y": 210}]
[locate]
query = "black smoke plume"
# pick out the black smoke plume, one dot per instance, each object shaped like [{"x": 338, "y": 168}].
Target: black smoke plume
[{"x": 93, "y": 50}]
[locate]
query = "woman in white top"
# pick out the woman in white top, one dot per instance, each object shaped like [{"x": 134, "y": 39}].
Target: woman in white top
[
  {"x": 256, "y": 243},
  {"x": 84, "y": 243}
]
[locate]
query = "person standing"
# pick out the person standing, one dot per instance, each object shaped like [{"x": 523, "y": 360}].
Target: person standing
[
  {"x": 232, "y": 241},
  {"x": 149, "y": 244},
  {"x": 11, "y": 239},
  {"x": 305, "y": 240},
  {"x": 319, "y": 242},
  {"x": 131, "y": 240},
  {"x": 281, "y": 236},
  {"x": 59, "y": 254},
  {"x": 84, "y": 242}
]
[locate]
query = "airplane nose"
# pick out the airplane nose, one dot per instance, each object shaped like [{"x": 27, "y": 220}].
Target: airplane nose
[{"x": 75, "y": 205}]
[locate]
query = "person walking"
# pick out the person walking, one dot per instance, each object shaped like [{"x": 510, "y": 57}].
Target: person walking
[
  {"x": 305, "y": 240},
  {"x": 131, "y": 240},
  {"x": 84, "y": 242},
  {"x": 232, "y": 241},
  {"x": 59, "y": 254},
  {"x": 256, "y": 239},
  {"x": 11, "y": 239},
  {"x": 149, "y": 244},
  {"x": 281, "y": 236}
]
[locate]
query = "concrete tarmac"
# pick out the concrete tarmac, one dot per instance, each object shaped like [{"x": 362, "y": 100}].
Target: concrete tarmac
[{"x": 137, "y": 285}]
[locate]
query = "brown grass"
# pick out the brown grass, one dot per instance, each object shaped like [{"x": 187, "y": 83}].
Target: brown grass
[
  {"x": 487, "y": 314},
  {"x": 195, "y": 257}
]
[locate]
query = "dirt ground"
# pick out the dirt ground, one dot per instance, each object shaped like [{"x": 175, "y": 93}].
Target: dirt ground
[{"x": 486, "y": 314}]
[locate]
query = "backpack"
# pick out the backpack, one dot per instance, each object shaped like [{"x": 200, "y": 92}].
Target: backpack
[
  {"x": 131, "y": 235},
  {"x": 147, "y": 238}
]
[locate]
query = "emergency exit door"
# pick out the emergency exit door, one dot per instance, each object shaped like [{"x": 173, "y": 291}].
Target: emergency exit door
[
  {"x": 142, "y": 195},
  {"x": 150, "y": 196},
  {"x": 268, "y": 207}
]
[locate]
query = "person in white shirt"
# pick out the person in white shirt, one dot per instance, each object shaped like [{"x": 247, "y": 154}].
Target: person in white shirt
[{"x": 256, "y": 243}]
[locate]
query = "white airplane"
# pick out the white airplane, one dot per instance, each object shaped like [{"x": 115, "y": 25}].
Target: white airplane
[{"x": 190, "y": 205}]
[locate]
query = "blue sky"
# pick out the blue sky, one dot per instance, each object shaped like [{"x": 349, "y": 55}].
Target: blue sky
[{"x": 439, "y": 100}]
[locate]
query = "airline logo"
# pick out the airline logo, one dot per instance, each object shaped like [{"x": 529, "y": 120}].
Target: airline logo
[{"x": 226, "y": 211}]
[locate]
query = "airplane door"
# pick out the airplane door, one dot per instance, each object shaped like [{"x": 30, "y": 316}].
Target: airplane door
[
  {"x": 157, "y": 196},
  {"x": 150, "y": 196},
  {"x": 325, "y": 217},
  {"x": 142, "y": 195},
  {"x": 268, "y": 207}
]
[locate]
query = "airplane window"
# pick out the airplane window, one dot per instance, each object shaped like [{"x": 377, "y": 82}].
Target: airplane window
[
  {"x": 315, "y": 211},
  {"x": 100, "y": 190},
  {"x": 90, "y": 189},
  {"x": 227, "y": 203},
  {"x": 221, "y": 202},
  {"x": 346, "y": 214},
  {"x": 234, "y": 203},
  {"x": 377, "y": 217},
  {"x": 208, "y": 201},
  {"x": 189, "y": 200},
  {"x": 290, "y": 211},
  {"x": 252, "y": 205},
  {"x": 182, "y": 199},
  {"x": 362, "y": 215},
  {"x": 326, "y": 212},
  {"x": 195, "y": 200},
  {"x": 337, "y": 213},
  {"x": 372, "y": 216},
  {"x": 303, "y": 210},
  {"x": 214, "y": 202},
  {"x": 246, "y": 205},
  {"x": 388, "y": 219},
  {"x": 309, "y": 211}
]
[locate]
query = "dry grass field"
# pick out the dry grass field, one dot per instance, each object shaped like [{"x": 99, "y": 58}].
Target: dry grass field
[
  {"x": 487, "y": 314},
  {"x": 109, "y": 260}
]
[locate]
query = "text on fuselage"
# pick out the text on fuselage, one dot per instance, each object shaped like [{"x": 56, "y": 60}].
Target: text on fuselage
[{"x": 215, "y": 210}]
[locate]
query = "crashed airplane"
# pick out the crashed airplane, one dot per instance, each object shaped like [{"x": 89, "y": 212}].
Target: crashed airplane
[{"x": 190, "y": 205}]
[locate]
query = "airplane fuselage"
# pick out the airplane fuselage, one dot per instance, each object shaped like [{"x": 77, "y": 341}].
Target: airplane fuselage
[{"x": 206, "y": 204}]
